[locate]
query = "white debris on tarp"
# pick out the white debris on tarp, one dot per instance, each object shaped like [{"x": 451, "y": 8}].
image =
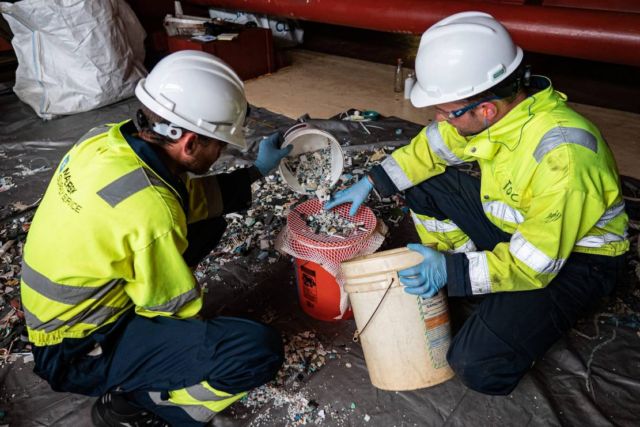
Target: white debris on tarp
[
  {"x": 13, "y": 341},
  {"x": 25, "y": 171},
  {"x": 6, "y": 183},
  {"x": 304, "y": 355}
]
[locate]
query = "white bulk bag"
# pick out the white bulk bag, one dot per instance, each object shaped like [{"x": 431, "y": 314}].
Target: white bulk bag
[{"x": 74, "y": 55}]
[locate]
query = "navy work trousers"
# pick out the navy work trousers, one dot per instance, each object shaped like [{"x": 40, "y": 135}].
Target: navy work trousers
[
  {"x": 141, "y": 355},
  {"x": 507, "y": 332}
]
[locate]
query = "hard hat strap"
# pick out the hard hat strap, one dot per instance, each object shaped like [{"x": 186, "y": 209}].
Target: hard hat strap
[
  {"x": 169, "y": 130},
  {"x": 519, "y": 79}
]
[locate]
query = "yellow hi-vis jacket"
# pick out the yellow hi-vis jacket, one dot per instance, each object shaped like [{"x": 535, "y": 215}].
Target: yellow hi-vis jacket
[
  {"x": 548, "y": 178},
  {"x": 108, "y": 235}
]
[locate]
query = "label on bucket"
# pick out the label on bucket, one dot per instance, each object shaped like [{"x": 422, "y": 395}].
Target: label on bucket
[
  {"x": 435, "y": 314},
  {"x": 309, "y": 288}
]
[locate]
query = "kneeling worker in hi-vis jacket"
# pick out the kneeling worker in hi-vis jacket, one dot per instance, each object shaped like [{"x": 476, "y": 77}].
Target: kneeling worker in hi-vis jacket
[
  {"x": 107, "y": 283},
  {"x": 541, "y": 235}
]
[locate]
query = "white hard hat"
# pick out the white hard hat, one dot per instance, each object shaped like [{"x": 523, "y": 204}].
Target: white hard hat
[
  {"x": 198, "y": 92},
  {"x": 461, "y": 56}
]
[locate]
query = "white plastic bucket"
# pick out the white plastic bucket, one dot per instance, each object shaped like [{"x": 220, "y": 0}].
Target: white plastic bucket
[
  {"x": 306, "y": 138},
  {"x": 405, "y": 338}
]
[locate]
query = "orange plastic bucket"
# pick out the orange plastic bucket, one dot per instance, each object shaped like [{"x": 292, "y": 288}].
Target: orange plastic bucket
[{"x": 319, "y": 292}]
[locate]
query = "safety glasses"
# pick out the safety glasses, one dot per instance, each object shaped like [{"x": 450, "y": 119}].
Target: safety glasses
[{"x": 459, "y": 112}]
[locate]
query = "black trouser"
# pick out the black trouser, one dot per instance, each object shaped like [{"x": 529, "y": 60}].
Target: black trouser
[{"x": 509, "y": 331}]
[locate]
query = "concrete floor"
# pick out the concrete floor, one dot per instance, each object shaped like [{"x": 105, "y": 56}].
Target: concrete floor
[{"x": 323, "y": 85}]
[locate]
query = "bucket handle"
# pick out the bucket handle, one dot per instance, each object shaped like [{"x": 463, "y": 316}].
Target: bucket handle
[{"x": 357, "y": 333}]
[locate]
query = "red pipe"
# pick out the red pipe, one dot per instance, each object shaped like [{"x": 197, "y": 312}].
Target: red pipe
[{"x": 578, "y": 33}]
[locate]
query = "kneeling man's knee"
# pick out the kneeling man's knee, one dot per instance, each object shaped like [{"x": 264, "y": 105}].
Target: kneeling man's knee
[{"x": 489, "y": 367}]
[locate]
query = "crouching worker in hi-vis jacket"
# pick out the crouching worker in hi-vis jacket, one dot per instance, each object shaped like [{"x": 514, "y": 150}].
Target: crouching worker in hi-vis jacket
[
  {"x": 107, "y": 284},
  {"x": 541, "y": 235}
]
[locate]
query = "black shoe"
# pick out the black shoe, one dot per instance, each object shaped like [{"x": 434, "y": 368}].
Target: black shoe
[{"x": 113, "y": 410}]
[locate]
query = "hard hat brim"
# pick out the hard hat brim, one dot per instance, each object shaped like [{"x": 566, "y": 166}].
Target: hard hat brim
[
  {"x": 150, "y": 102},
  {"x": 421, "y": 98}
]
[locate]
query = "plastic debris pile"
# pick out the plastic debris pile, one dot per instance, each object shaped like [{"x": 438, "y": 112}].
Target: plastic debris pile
[
  {"x": 304, "y": 355},
  {"x": 332, "y": 224},
  {"x": 312, "y": 169},
  {"x": 250, "y": 235},
  {"x": 13, "y": 340}
]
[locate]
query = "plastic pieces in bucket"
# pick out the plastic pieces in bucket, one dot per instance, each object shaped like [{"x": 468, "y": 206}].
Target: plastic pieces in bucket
[{"x": 315, "y": 163}]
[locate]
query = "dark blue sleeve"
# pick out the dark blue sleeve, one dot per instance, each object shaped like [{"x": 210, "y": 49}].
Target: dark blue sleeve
[
  {"x": 381, "y": 181},
  {"x": 458, "y": 283}
]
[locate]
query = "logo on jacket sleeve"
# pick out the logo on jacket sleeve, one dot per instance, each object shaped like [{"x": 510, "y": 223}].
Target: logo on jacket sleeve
[{"x": 66, "y": 188}]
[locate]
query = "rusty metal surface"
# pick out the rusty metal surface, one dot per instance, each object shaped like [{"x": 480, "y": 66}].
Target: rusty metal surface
[{"x": 578, "y": 33}]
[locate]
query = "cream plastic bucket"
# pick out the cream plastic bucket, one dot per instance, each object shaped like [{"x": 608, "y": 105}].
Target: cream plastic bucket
[{"x": 406, "y": 338}]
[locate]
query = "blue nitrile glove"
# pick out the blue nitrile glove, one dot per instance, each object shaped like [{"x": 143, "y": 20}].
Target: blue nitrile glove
[
  {"x": 269, "y": 155},
  {"x": 428, "y": 277},
  {"x": 356, "y": 194}
]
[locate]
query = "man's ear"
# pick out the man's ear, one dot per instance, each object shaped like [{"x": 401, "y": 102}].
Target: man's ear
[
  {"x": 489, "y": 110},
  {"x": 188, "y": 143}
]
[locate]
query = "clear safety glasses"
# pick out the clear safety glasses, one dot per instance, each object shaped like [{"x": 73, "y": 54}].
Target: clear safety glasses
[{"x": 450, "y": 115}]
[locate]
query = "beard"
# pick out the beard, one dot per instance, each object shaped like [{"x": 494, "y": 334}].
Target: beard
[{"x": 199, "y": 167}]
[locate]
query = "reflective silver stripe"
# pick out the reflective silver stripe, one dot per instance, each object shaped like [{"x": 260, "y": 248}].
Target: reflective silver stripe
[
  {"x": 600, "y": 241},
  {"x": 66, "y": 294},
  {"x": 562, "y": 135},
  {"x": 533, "y": 257},
  {"x": 93, "y": 317},
  {"x": 200, "y": 392},
  {"x": 156, "y": 181},
  {"x": 395, "y": 172},
  {"x": 176, "y": 303},
  {"x": 155, "y": 396},
  {"x": 197, "y": 412},
  {"x": 125, "y": 186},
  {"x": 610, "y": 214},
  {"x": 435, "y": 226},
  {"x": 98, "y": 130},
  {"x": 503, "y": 211},
  {"x": 439, "y": 147},
  {"x": 96, "y": 316},
  {"x": 468, "y": 246},
  {"x": 479, "y": 273},
  {"x": 36, "y": 324}
]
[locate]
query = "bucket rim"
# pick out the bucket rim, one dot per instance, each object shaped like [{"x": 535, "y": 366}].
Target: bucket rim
[
  {"x": 301, "y": 129},
  {"x": 388, "y": 261}
]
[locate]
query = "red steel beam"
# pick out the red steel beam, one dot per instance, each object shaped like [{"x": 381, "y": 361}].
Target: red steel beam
[{"x": 577, "y": 33}]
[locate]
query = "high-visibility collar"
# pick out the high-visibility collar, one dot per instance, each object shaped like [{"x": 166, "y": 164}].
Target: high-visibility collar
[
  {"x": 145, "y": 153},
  {"x": 507, "y": 132}
]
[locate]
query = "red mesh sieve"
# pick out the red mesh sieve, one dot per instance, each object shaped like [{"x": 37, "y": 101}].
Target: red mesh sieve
[
  {"x": 299, "y": 240},
  {"x": 305, "y": 235}
]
